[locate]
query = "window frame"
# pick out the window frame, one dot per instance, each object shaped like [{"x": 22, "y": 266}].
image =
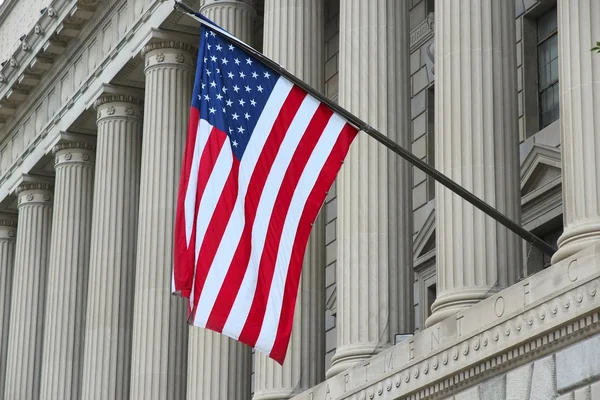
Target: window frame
[{"x": 541, "y": 91}]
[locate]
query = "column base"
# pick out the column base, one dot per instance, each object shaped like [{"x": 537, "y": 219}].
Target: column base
[
  {"x": 451, "y": 303},
  {"x": 575, "y": 239},
  {"x": 274, "y": 395},
  {"x": 349, "y": 356}
]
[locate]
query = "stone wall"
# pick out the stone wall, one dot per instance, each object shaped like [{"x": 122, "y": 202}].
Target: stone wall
[{"x": 570, "y": 374}]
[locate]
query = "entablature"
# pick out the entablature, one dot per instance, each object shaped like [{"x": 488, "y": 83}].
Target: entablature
[{"x": 540, "y": 314}]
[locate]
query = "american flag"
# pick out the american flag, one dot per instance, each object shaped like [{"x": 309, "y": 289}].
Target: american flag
[{"x": 260, "y": 156}]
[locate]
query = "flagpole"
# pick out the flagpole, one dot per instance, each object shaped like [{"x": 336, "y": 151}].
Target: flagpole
[{"x": 380, "y": 137}]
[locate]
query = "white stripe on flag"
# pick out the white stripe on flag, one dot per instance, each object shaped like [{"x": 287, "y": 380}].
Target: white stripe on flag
[
  {"x": 306, "y": 183},
  {"x": 212, "y": 192},
  {"x": 190, "y": 194},
  {"x": 235, "y": 226},
  {"x": 243, "y": 301}
]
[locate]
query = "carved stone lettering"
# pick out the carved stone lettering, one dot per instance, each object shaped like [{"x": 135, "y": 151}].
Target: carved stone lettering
[
  {"x": 411, "y": 349},
  {"x": 346, "y": 380},
  {"x": 388, "y": 364},
  {"x": 572, "y": 277},
  {"x": 434, "y": 337},
  {"x": 526, "y": 290},
  {"x": 366, "y": 372},
  {"x": 328, "y": 393},
  {"x": 499, "y": 306},
  {"x": 458, "y": 324}
]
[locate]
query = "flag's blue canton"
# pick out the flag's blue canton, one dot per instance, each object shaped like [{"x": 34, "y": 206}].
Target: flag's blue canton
[{"x": 231, "y": 88}]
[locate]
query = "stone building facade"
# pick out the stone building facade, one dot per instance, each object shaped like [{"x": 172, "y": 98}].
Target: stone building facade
[{"x": 407, "y": 291}]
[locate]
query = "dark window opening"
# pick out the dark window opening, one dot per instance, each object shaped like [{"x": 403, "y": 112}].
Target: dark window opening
[{"x": 548, "y": 85}]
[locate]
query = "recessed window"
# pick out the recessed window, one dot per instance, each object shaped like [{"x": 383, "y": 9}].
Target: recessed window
[
  {"x": 548, "y": 68},
  {"x": 552, "y": 239},
  {"x": 431, "y": 295}
]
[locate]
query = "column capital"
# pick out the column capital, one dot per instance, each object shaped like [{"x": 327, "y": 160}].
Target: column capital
[
  {"x": 35, "y": 193},
  {"x": 74, "y": 153},
  {"x": 250, "y": 4},
  {"x": 119, "y": 106},
  {"x": 169, "y": 52},
  {"x": 8, "y": 225}
]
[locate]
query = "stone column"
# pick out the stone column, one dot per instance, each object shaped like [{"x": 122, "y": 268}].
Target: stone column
[
  {"x": 237, "y": 16},
  {"x": 109, "y": 320},
  {"x": 219, "y": 367},
  {"x": 293, "y": 36},
  {"x": 579, "y": 73},
  {"x": 160, "y": 330},
  {"x": 8, "y": 234},
  {"x": 476, "y": 145},
  {"x": 66, "y": 294},
  {"x": 26, "y": 325},
  {"x": 374, "y": 264}
]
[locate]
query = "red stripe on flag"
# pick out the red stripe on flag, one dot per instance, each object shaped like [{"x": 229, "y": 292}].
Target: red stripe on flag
[
  {"x": 183, "y": 256},
  {"x": 268, "y": 260},
  {"x": 309, "y": 214},
  {"x": 236, "y": 271}
]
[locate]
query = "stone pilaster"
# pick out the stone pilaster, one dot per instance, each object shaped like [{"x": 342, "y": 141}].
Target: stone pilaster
[
  {"x": 219, "y": 367},
  {"x": 66, "y": 294},
  {"x": 8, "y": 236},
  {"x": 237, "y": 16},
  {"x": 294, "y": 38},
  {"x": 109, "y": 320},
  {"x": 374, "y": 265},
  {"x": 476, "y": 145},
  {"x": 579, "y": 77},
  {"x": 26, "y": 327},
  {"x": 160, "y": 330}
]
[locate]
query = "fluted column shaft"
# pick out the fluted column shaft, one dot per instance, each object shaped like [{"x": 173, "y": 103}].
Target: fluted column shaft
[
  {"x": 23, "y": 367},
  {"x": 237, "y": 16},
  {"x": 160, "y": 330},
  {"x": 374, "y": 264},
  {"x": 293, "y": 36},
  {"x": 66, "y": 295},
  {"x": 579, "y": 73},
  {"x": 109, "y": 320},
  {"x": 219, "y": 367},
  {"x": 476, "y": 145},
  {"x": 8, "y": 235}
]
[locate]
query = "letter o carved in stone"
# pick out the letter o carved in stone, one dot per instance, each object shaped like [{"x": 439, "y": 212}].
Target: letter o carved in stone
[{"x": 499, "y": 306}]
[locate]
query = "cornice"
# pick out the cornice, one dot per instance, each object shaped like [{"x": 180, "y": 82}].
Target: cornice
[
  {"x": 422, "y": 32},
  {"x": 45, "y": 43}
]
